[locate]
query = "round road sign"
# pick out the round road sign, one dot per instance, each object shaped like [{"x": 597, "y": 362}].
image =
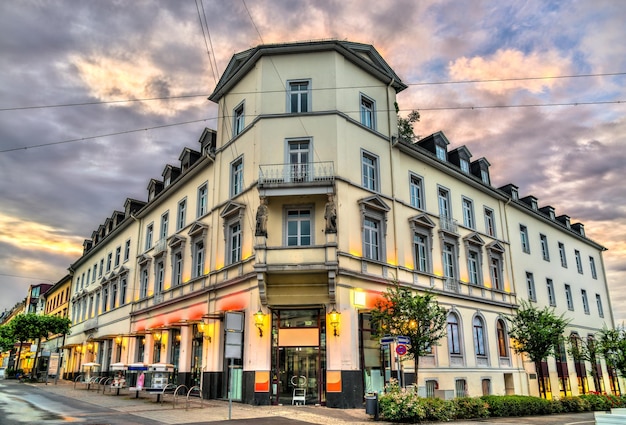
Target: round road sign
[{"x": 401, "y": 349}]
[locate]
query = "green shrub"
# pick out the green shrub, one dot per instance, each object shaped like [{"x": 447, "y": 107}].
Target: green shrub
[
  {"x": 574, "y": 405},
  {"x": 438, "y": 410},
  {"x": 470, "y": 408},
  {"x": 517, "y": 405}
]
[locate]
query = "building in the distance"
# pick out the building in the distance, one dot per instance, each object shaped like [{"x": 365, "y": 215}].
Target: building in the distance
[{"x": 257, "y": 258}]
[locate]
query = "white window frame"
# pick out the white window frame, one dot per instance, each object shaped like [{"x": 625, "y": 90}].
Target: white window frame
[
  {"x": 479, "y": 334},
  {"x": 126, "y": 251},
  {"x": 239, "y": 118},
  {"x": 579, "y": 261},
  {"x": 523, "y": 230},
  {"x": 293, "y": 214},
  {"x": 453, "y": 328},
  {"x": 440, "y": 152},
  {"x": 583, "y": 295},
  {"x": 416, "y": 191},
  {"x": 118, "y": 255},
  {"x": 562, "y": 254},
  {"x": 109, "y": 262},
  {"x": 236, "y": 177},
  {"x": 234, "y": 242},
  {"x": 199, "y": 257},
  {"x": 421, "y": 251},
  {"x": 592, "y": 265},
  {"x": 599, "y": 305},
  {"x": 203, "y": 197},
  {"x": 495, "y": 271},
  {"x": 530, "y": 285},
  {"x": 490, "y": 222},
  {"x": 149, "y": 234},
  {"x": 298, "y": 93},
  {"x": 545, "y": 251},
  {"x": 443, "y": 198},
  {"x": 372, "y": 238},
  {"x": 367, "y": 107},
  {"x": 468, "y": 212},
  {"x": 568, "y": 297},
  {"x": 165, "y": 218},
  {"x": 474, "y": 274},
  {"x": 551, "y": 293},
  {"x": 177, "y": 268},
  {"x": 465, "y": 166},
  {"x": 159, "y": 276},
  {"x": 144, "y": 281},
  {"x": 181, "y": 214},
  {"x": 370, "y": 171},
  {"x": 448, "y": 260},
  {"x": 298, "y": 154}
]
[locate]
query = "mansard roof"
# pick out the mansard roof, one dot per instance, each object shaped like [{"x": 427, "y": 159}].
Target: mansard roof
[{"x": 364, "y": 56}]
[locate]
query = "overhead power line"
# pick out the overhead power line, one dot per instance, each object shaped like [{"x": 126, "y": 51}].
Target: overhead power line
[
  {"x": 118, "y": 133},
  {"x": 443, "y": 108},
  {"x": 205, "y": 95}
]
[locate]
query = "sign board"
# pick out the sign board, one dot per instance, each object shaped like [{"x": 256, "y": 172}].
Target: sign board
[
  {"x": 401, "y": 350},
  {"x": 233, "y": 347},
  {"x": 53, "y": 365},
  {"x": 405, "y": 340},
  {"x": 387, "y": 340}
]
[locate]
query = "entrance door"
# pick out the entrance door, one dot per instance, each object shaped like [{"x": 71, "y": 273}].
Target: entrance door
[{"x": 299, "y": 375}]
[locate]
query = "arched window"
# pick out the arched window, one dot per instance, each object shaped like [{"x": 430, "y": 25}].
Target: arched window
[
  {"x": 479, "y": 336},
  {"x": 454, "y": 339},
  {"x": 503, "y": 346}
]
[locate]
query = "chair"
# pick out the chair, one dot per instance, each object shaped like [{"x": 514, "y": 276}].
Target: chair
[{"x": 299, "y": 395}]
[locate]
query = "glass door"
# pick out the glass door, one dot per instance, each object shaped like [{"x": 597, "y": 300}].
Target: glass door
[{"x": 298, "y": 376}]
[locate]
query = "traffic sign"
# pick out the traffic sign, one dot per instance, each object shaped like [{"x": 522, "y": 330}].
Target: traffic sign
[
  {"x": 401, "y": 349},
  {"x": 403, "y": 340},
  {"x": 387, "y": 340}
]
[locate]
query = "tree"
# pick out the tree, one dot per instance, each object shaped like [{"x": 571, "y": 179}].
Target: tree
[
  {"x": 405, "y": 125},
  {"x": 612, "y": 346},
  {"x": 7, "y": 342},
  {"x": 28, "y": 327},
  {"x": 536, "y": 333},
  {"x": 419, "y": 317},
  {"x": 586, "y": 350}
]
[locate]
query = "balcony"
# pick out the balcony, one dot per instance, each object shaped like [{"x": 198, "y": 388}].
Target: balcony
[
  {"x": 160, "y": 246},
  {"x": 448, "y": 224},
  {"x": 288, "y": 179}
]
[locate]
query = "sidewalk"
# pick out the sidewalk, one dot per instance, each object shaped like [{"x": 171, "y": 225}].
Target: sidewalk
[
  {"x": 215, "y": 412},
  {"x": 212, "y": 411}
]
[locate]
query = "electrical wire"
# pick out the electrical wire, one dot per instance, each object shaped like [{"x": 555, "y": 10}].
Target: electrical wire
[
  {"x": 428, "y": 83},
  {"x": 117, "y": 133}
]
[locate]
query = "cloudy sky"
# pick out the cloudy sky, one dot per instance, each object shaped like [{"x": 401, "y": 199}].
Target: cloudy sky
[{"x": 77, "y": 136}]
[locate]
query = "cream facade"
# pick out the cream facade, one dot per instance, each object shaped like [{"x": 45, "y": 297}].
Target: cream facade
[
  {"x": 256, "y": 260},
  {"x": 557, "y": 266}
]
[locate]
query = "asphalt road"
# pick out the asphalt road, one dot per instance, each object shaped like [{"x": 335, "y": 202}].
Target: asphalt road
[{"x": 24, "y": 404}]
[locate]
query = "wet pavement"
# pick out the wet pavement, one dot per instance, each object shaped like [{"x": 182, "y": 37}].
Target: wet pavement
[{"x": 57, "y": 404}]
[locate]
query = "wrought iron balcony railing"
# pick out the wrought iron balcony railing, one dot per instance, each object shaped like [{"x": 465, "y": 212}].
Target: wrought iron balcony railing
[{"x": 293, "y": 174}]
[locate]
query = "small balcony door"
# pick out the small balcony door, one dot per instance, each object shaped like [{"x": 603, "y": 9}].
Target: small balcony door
[{"x": 299, "y": 160}]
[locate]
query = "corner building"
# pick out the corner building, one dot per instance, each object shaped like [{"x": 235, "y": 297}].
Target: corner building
[{"x": 255, "y": 262}]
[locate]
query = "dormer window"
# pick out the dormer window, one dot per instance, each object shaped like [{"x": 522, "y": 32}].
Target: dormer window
[
  {"x": 533, "y": 204},
  {"x": 484, "y": 176},
  {"x": 441, "y": 152},
  {"x": 514, "y": 194},
  {"x": 465, "y": 167}
]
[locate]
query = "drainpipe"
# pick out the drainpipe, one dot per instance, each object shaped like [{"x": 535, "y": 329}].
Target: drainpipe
[{"x": 393, "y": 190}]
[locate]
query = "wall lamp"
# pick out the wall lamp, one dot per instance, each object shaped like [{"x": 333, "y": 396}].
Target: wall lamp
[
  {"x": 334, "y": 320},
  {"x": 203, "y": 327},
  {"x": 259, "y": 318},
  {"x": 157, "y": 335}
]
